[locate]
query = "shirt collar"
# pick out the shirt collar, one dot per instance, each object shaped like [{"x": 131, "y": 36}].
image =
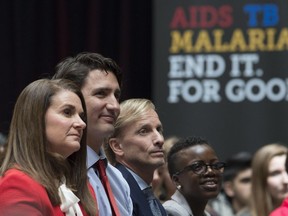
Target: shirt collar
[
  {"x": 93, "y": 157},
  {"x": 142, "y": 184}
]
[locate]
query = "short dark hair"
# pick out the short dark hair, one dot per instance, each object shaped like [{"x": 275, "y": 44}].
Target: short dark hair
[
  {"x": 235, "y": 164},
  {"x": 182, "y": 143},
  {"x": 77, "y": 68}
]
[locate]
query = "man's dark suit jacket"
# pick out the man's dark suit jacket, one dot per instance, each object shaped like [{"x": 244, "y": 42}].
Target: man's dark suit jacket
[{"x": 140, "y": 203}]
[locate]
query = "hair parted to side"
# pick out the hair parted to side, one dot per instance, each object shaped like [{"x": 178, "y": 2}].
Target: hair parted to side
[
  {"x": 77, "y": 68},
  {"x": 261, "y": 198},
  {"x": 130, "y": 111},
  {"x": 27, "y": 147},
  {"x": 181, "y": 144}
]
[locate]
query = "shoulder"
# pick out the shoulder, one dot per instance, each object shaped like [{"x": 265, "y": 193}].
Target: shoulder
[
  {"x": 19, "y": 179},
  {"x": 117, "y": 178},
  {"x": 114, "y": 172},
  {"x": 281, "y": 211},
  {"x": 19, "y": 192},
  {"x": 221, "y": 204},
  {"x": 124, "y": 172},
  {"x": 174, "y": 209}
]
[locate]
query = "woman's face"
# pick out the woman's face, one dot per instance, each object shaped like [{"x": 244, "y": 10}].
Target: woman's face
[
  {"x": 198, "y": 186},
  {"x": 64, "y": 125},
  {"x": 277, "y": 181}
]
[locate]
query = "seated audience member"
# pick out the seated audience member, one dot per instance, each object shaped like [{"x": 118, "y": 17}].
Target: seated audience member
[
  {"x": 99, "y": 79},
  {"x": 3, "y": 141},
  {"x": 3, "y": 145},
  {"x": 197, "y": 173},
  {"x": 236, "y": 192},
  {"x": 44, "y": 169},
  {"x": 162, "y": 184},
  {"x": 269, "y": 179},
  {"x": 137, "y": 152},
  {"x": 283, "y": 209}
]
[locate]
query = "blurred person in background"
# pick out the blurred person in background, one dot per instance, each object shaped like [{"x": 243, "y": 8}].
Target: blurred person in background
[
  {"x": 162, "y": 184},
  {"x": 3, "y": 145},
  {"x": 3, "y": 142},
  {"x": 269, "y": 179},
  {"x": 283, "y": 209}
]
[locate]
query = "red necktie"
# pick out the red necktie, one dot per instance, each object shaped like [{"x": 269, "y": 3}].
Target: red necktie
[{"x": 100, "y": 165}]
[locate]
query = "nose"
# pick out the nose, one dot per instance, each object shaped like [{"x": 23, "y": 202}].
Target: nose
[
  {"x": 79, "y": 123},
  {"x": 285, "y": 177},
  {"x": 113, "y": 104},
  {"x": 159, "y": 139},
  {"x": 209, "y": 171},
  {"x": 209, "y": 168}
]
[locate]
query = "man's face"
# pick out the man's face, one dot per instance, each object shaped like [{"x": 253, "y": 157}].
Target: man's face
[
  {"x": 241, "y": 185},
  {"x": 101, "y": 92},
  {"x": 141, "y": 142}
]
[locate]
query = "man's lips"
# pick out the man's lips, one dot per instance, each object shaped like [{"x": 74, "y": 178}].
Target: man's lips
[
  {"x": 109, "y": 118},
  {"x": 158, "y": 152}
]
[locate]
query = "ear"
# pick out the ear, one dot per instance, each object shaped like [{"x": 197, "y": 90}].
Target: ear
[
  {"x": 116, "y": 146},
  {"x": 175, "y": 179},
  {"x": 228, "y": 188}
]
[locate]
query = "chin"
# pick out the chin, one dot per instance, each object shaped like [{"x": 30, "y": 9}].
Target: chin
[
  {"x": 159, "y": 163},
  {"x": 108, "y": 131},
  {"x": 76, "y": 148}
]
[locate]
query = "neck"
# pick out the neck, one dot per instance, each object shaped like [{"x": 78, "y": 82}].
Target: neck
[
  {"x": 197, "y": 207},
  {"x": 95, "y": 143},
  {"x": 237, "y": 206},
  {"x": 277, "y": 203},
  {"x": 146, "y": 175}
]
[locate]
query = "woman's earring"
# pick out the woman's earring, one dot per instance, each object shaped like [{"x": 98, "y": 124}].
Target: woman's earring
[{"x": 178, "y": 187}]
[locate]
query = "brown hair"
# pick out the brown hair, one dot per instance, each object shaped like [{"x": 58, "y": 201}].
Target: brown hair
[
  {"x": 27, "y": 147},
  {"x": 261, "y": 199},
  {"x": 77, "y": 68}
]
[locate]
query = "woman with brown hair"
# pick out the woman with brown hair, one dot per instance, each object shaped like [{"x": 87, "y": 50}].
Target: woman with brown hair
[
  {"x": 44, "y": 169},
  {"x": 269, "y": 179}
]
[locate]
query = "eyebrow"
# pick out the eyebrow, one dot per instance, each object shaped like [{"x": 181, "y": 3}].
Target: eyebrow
[
  {"x": 68, "y": 105},
  {"x": 71, "y": 106},
  {"x": 105, "y": 89}
]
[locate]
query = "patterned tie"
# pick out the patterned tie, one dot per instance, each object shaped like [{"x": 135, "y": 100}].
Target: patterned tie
[
  {"x": 152, "y": 200},
  {"x": 100, "y": 165}
]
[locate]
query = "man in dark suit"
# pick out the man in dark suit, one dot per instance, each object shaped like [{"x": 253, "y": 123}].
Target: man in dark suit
[{"x": 136, "y": 150}]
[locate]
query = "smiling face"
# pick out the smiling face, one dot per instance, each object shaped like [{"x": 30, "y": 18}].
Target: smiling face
[
  {"x": 64, "y": 126},
  {"x": 141, "y": 144},
  {"x": 101, "y": 92},
  {"x": 198, "y": 187}
]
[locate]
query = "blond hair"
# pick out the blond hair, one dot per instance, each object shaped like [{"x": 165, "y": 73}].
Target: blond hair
[{"x": 130, "y": 110}]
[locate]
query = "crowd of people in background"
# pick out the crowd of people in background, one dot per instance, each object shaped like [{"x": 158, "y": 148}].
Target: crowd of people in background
[{"x": 74, "y": 149}]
